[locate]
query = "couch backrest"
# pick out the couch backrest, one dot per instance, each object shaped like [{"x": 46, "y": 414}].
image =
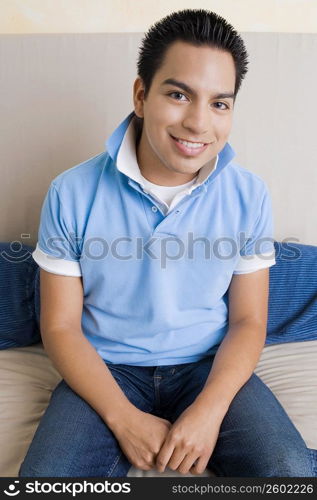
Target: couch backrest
[{"x": 61, "y": 96}]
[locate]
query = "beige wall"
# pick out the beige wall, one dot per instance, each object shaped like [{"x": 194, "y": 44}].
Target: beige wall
[
  {"x": 93, "y": 16},
  {"x": 62, "y": 95},
  {"x": 55, "y": 114}
]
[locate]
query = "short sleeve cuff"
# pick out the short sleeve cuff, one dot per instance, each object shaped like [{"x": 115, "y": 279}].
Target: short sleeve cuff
[
  {"x": 54, "y": 265},
  {"x": 255, "y": 263}
]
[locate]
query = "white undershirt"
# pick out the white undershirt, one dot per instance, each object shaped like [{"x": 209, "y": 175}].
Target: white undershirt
[{"x": 166, "y": 193}]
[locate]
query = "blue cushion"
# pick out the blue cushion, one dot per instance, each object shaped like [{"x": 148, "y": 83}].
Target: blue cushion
[
  {"x": 18, "y": 324},
  {"x": 292, "y": 313}
]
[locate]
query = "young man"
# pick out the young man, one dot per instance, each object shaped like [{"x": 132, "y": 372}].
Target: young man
[{"x": 154, "y": 305}]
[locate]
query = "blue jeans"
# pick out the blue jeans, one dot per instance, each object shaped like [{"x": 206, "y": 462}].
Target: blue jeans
[{"x": 256, "y": 438}]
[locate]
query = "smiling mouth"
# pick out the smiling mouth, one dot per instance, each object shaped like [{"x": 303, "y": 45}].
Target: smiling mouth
[
  {"x": 190, "y": 144},
  {"x": 188, "y": 148}
]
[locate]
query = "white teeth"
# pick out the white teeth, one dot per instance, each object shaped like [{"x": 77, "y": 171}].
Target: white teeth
[{"x": 193, "y": 145}]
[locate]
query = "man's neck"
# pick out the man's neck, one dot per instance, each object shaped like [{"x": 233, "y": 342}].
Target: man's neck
[
  {"x": 167, "y": 178},
  {"x": 158, "y": 174}
]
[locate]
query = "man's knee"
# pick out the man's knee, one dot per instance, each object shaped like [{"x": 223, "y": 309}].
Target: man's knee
[
  {"x": 29, "y": 470},
  {"x": 45, "y": 467},
  {"x": 285, "y": 462},
  {"x": 289, "y": 463},
  {"x": 266, "y": 461}
]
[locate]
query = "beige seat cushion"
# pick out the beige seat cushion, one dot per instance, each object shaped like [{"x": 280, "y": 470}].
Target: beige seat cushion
[{"x": 28, "y": 378}]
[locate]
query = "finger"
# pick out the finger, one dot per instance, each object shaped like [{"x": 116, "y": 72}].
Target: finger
[
  {"x": 176, "y": 459},
  {"x": 187, "y": 463},
  {"x": 151, "y": 464},
  {"x": 164, "y": 456},
  {"x": 199, "y": 466}
]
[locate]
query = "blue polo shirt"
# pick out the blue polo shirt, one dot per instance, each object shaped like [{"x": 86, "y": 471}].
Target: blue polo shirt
[{"x": 155, "y": 281}]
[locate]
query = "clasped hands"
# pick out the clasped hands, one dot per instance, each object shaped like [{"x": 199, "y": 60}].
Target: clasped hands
[{"x": 186, "y": 446}]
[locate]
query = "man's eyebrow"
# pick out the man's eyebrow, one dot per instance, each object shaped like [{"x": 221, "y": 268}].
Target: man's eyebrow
[{"x": 184, "y": 86}]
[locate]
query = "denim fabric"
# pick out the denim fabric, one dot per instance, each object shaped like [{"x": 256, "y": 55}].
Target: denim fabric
[
  {"x": 256, "y": 438},
  {"x": 18, "y": 325}
]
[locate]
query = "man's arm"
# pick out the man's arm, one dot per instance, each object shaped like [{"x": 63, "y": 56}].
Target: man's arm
[
  {"x": 240, "y": 350},
  {"x": 194, "y": 434},
  {"x": 139, "y": 434},
  {"x": 71, "y": 353}
]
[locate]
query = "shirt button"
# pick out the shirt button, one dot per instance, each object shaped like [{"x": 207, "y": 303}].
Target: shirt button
[{"x": 154, "y": 209}]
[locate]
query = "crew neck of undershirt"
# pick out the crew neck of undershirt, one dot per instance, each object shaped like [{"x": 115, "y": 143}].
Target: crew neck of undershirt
[
  {"x": 179, "y": 187},
  {"x": 167, "y": 194}
]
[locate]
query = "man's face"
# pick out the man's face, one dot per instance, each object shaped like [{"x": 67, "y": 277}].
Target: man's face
[{"x": 187, "y": 101}]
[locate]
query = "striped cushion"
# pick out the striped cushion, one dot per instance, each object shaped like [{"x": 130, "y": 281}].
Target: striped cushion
[
  {"x": 292, "y": 315},
  {"x": 293, "y": 294},
  {"x": 18, "y": 326}
]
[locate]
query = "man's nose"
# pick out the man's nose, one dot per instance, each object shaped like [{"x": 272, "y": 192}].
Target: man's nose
[{"x": 197, "y": 120}]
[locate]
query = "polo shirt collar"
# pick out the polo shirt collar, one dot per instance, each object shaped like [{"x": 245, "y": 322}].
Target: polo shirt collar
[{"x": 121, "y": 148}]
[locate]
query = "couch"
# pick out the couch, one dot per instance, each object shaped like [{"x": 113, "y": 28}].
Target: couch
[{"x": 287, "y": 363}]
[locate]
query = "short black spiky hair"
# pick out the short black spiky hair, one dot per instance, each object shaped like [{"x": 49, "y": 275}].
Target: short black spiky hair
[{"x": 195, "y": 26}]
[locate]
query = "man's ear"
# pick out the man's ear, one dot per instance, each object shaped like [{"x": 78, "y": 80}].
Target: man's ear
[{"x": 138, "y": 97}]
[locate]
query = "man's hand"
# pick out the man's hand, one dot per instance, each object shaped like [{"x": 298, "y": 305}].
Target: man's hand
[
  {"x": 141, "y": 436},
  {"x": 191, "y": 439}
]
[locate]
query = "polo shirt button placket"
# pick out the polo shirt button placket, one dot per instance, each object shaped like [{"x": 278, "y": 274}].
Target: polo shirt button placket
[{"x": 154, "y": 208}]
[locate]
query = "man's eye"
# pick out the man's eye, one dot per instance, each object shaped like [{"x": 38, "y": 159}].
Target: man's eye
[
  {"x": 221, "y": 104},
  {"x": 177, "y": 95}
]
